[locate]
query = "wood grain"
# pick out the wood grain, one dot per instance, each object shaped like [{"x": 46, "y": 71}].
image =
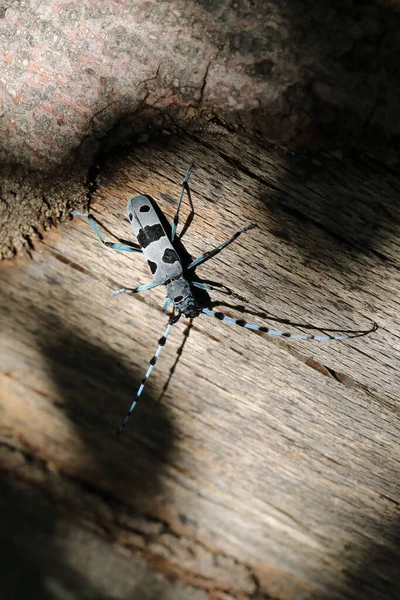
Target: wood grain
[{"x": 270, "y": 468}]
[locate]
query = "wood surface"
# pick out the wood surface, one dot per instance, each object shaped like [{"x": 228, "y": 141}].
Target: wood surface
[{"x": 269, "y": 469}]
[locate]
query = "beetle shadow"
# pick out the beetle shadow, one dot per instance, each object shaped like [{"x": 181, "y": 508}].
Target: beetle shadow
[
  {"x": 201, "y": 297},
  {"x": 284, "y": 321},
  {"x": 123, "y": 241},
  {"x": 179, "y": 352}
]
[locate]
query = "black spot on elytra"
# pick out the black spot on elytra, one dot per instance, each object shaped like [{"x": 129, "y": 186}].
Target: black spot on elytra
[
  {"x": 169, "y": 256},
  {"x": 130, "y": 216},
  {"x": 153, "y": 266},
  {"x": 144, "y": 208},
  {"x": 149, "y": 234}
]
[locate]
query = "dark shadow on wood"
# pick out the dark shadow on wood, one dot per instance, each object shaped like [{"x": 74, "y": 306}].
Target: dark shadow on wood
[
  {"x": 347, "y": 56},
  {"x": 335, "y": 211},
  {"x": 374, "y": 573},
  {"x": 32, "y": 566},
  {"x": 94, "y": 391},
  {"x": 97, "y": 390}
]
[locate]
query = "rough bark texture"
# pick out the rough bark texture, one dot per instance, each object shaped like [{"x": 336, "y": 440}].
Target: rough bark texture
[
  {"x": 72, "y": 68},
  {"x": 32, "y": 203},
  {"x": 269, "y": 469},
  {"x": 303, "y": 73}
]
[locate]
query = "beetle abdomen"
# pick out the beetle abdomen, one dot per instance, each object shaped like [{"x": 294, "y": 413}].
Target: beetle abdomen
[{"x": 162, "y": 258}]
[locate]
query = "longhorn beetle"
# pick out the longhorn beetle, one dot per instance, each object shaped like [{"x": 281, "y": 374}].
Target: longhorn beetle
[{"x": 167, "y": 269}]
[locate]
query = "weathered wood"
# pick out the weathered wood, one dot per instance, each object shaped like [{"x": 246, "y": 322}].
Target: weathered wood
[{"x": 256, "y": 476}]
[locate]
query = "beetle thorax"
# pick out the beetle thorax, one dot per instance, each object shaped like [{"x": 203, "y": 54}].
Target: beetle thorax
[{"x": 181, "y": 295}]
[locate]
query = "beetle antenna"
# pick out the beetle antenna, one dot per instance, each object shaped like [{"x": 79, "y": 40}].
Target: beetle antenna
[
  {"x": 295, "y": 336},
  {"x": 161, "y": 343}
]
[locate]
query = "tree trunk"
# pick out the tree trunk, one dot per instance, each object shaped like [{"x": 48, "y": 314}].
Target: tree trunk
[{"x": 268, "y": 468}]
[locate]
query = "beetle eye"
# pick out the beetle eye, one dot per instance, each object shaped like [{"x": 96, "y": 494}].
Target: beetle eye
[{"x": 178, "y": 299}]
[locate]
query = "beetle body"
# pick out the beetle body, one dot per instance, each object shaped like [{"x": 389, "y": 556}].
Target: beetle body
[{"x": 162, "y": 258}]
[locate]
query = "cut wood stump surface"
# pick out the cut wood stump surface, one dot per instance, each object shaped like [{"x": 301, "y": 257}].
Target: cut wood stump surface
[{"x": 269, "y": 468}]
